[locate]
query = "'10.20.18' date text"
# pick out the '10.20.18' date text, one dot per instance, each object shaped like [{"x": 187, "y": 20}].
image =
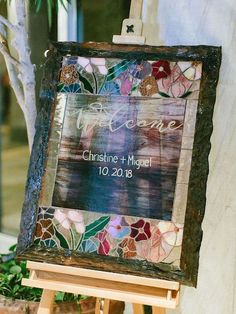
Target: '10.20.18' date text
[{"x": 115, "y": 172}]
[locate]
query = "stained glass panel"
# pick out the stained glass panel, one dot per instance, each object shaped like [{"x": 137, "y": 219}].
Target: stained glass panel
[{"x": 120, "y": 175}]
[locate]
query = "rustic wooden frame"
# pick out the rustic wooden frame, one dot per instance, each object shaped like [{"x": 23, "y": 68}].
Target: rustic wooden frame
[{"x": 187, "y": 273}]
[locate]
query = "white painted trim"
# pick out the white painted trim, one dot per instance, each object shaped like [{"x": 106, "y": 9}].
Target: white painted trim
[
  {"x": 72, "y": 21},
  {"x": 62, "y": 30},
  {"x": 67, "y": 22}
]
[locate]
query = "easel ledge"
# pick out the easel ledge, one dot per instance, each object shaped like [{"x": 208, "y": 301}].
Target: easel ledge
[{"x": 112, "y": 286}]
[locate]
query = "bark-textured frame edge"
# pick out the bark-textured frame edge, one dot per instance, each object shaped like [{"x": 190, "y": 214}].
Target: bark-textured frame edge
[{"x": 187, "y": 274}]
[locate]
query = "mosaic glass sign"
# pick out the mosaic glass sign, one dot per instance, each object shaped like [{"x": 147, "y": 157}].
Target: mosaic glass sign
[{"x": 116, "y": 157}]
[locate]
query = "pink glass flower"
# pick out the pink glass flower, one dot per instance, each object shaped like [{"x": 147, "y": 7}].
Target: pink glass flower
[
  {"x": 86, "y": 63},
  {"x": 68, "y": 217},
  {"x": 191, "y": 70},
  {"x": 126, "y": 87},
  {"x": 143, "y": 249},
  {"x": 165, "y": 236},
  {"x": 101, "y": 65},
  {"x": 176, "y": 84},
  {"x": 171, "y": 233},
  {"x": 125, "y": 83}
]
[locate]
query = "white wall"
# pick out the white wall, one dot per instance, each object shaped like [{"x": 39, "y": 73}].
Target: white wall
[{"x": 213, "y": 22}]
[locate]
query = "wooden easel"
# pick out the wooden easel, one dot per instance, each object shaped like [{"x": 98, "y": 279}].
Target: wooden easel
[
  {"x": 132, "y": 27},
  {"x": 106, "y": 286}
]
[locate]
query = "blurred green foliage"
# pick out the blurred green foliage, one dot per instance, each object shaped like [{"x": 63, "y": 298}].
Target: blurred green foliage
[
  {"x": 51, "y": 5},
  {"x": 11, "y": 274}
]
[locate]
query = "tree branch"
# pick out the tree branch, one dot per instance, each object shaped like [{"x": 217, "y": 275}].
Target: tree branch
[
  {"x": 26, "y": 69},
  {"x": 8, "y": 24},
  {"x": 5, "y": 52},
  {"x": 15, "y": 84},
  {"x": 3, "y": 30},
  {"x": 12, "y": 64}
]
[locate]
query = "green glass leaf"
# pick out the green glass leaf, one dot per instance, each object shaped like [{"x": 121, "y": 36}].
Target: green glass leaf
[
  {"x": 186, "y": 94},
  {"x": 86, "y": 83},
  {"x": 164, "y": 94},
  {"x": 60, "y": 87},
  {"x": 95, "y": 227},
  {"x": 63, "y": 242},
  {"x": 117, "y": 69},
  {"x": 37, "y": 241},
  {"x": 134, "y": 88}
]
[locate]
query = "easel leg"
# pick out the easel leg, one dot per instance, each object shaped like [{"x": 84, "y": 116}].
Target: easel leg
[
  {"x": 106, "y": 306},
  {"x": 97, "y": 308},
  {"x": 45, "y": 305},
  {"x": 102, "y": 305},
  {"x": 158, "y": 310},
  {"x": 138, "y": 308}
]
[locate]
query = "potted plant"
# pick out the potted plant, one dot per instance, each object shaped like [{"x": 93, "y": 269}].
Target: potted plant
[{"x": 15, "y": 298}]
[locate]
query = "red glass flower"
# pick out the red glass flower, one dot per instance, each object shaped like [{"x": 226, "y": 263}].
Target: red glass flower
[
  {"x": 104, "y": 246},
  {"x": 140, "y": 230},
  {"x": 160, "y": 69}
]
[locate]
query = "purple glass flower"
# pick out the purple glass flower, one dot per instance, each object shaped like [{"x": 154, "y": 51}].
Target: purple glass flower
[
  {"x": 118, "y": 228},
  {"x": 141, "y": 69}
]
